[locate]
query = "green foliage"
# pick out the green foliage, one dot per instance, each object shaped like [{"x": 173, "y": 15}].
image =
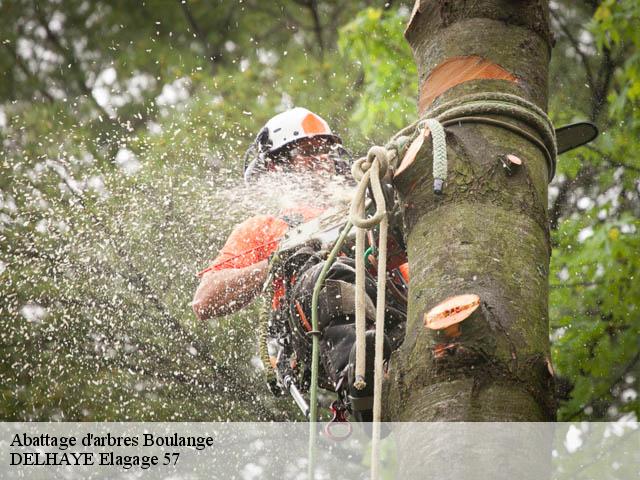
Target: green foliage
[
  {"x": 374, "y": 41},
  {"x": 595, "y": 313},
  {"x": 594, "y": 299},
  {"x": 595, "y": 295},
  {"x": 98, "y": 262}
]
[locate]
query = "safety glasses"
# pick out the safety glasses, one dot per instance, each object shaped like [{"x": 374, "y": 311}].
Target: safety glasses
[{"x": 310, "y": 147}]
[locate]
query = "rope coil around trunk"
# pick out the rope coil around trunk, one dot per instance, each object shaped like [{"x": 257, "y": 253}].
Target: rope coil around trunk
[{"x": 482, "y": 108}]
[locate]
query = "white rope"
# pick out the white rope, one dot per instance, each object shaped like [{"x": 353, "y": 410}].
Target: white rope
[
  {"x": 361, "y": 320},
  {"x": 368, "y": 171},
  {"x": 379, "y": 355}
]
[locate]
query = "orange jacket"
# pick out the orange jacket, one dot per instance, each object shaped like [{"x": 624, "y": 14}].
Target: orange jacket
[{"x": 256, "y": 238}]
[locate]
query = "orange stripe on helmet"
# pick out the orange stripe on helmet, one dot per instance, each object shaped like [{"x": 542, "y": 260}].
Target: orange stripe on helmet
[{"x": 311, "y": 124}]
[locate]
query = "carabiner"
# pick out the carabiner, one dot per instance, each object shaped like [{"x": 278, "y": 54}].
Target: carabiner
[{"x": 339, "y": 418}]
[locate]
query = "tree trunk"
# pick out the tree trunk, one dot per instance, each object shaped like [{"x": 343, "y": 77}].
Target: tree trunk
[{"x": 486, "y": 234}]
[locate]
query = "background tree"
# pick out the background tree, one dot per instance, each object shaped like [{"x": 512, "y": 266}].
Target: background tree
[{"x": 123, "y": 127}]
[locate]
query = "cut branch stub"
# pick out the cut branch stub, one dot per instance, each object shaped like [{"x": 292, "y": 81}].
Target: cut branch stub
[
  {"x": 511, "y": 158},
  {"x": 511, "y": 163},
  {"x": 412, "y": 151},
  {"x": 448, "y": 314}
]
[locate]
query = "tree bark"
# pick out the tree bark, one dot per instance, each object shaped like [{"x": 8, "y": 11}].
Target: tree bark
[{"x": 488, "y": 233}]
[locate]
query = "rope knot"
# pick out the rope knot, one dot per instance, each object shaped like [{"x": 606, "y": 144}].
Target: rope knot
[{"x": 364, "y": 164}]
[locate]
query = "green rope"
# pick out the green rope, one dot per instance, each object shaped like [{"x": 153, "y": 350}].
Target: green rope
[
  {"x": 315, "y": 349},
  {"x": 503, "y": 104},
  {"x": 369, "y": 251}
]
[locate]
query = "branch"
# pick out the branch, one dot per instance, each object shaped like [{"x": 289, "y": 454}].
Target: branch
[
  {"x": 555, "y": 212},
  {"x": 575, "y": 284},
  {"x": 212, "y": 55},
  {"x": 611, "y": 161},
  {"x": 584, "y": 177},
  {"x": 605, "y": 74},
  {"x": 287, "y": 22},
  {"x": 312, "y": 5},
  {"x": 317, "y": 26},
  {"x": 576, "y": 46},
  {"x": 623, "y": 372},
  {"x": 70, "y": 59},
  {"x": 585, "y": 174},
  {"x": 281, "y": 13},
  {"x": 29, "y": 74},
  {"x": 599, "y": 456}
]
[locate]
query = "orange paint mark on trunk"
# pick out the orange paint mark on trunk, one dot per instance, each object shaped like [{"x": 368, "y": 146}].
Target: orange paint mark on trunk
[{"x": 457, "y": 70}]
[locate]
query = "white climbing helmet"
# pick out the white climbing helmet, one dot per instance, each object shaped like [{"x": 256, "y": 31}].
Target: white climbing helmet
[
  {"x": 291, "y": 126},
  {"x": 281, "y": 134}
]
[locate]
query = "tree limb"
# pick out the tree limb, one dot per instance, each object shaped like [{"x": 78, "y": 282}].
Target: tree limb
[
  {"x": 611, "y": 161},
  {"x": 622, "y": 373},
  {"x": 576, "y": 46},
  {"x": 71, "y": 60},
  {"x": 312, "y": 6},
  {"x": 317, "y": 26},
  {"x": 602, "y": 84},
  {"x": 575, "y": 284},
  {"x": 28, "y": 73},
  {"x": 584, "y": 176},
  {"x": 211, "y": 54}
]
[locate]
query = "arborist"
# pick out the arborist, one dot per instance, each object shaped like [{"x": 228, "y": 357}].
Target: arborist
[{"x": 253, "y": 260}]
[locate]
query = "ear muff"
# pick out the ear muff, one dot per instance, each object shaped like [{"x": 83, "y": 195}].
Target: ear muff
[
  {"x": 253, "y": 168},
  {"x": 253, "y": 164},
  {"x": 263, "y": 140}
]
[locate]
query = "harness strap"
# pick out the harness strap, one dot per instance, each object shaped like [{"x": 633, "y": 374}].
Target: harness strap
[{"x": 361, "y": 403}]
